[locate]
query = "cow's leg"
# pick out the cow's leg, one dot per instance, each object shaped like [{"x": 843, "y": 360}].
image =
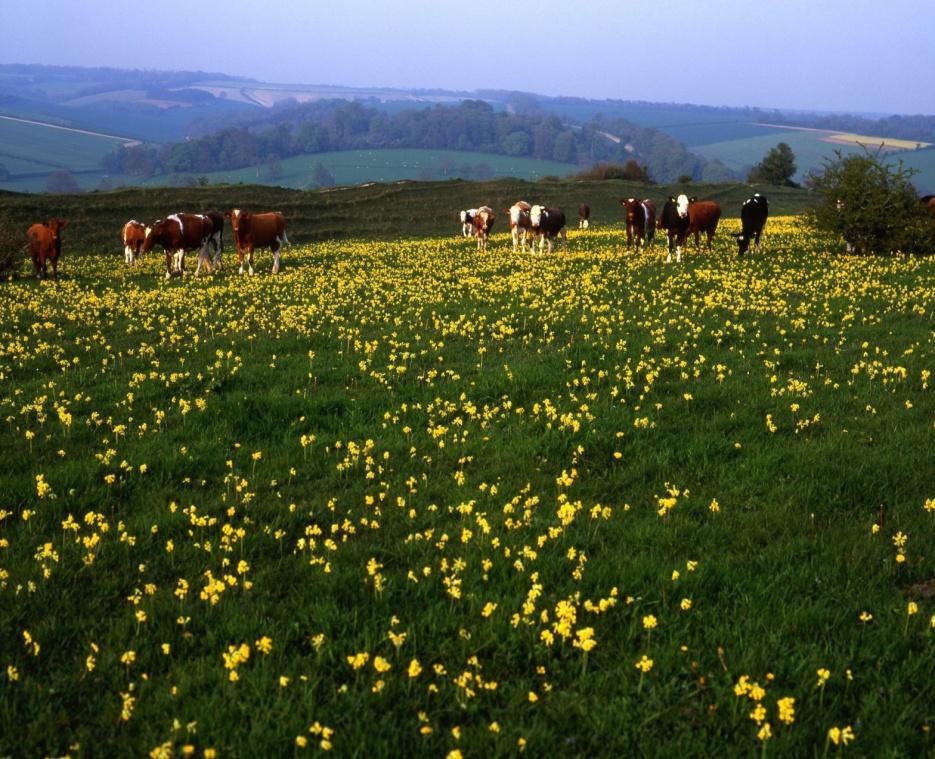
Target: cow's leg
[
  {"x": 168, "y": 263},
  {"x": 276, "y": 256},
  {"x": 565, "y": 238},
  {"x": 250, "y": 260},
  {"x": 127, "y": 254},
  {"x": 218, "y": 246},
  {"x": 180, "y": 261},
  {"x": 55, "y": 267}
]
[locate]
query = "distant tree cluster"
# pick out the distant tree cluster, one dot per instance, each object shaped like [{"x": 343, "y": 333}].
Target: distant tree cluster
[
  {"x": 471, "y": 126},
  {"x": 777, "y": 167},
  {"x": 631, "y": 170}
]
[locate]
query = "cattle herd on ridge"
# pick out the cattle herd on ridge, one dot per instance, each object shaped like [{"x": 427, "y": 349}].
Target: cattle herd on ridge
[{"x": 183, "y": 233}]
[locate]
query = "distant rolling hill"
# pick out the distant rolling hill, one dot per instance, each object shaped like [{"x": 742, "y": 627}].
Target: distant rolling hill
[{"x": 162, "y": 107}]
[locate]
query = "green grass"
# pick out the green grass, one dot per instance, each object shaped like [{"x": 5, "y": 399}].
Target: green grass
[
  {"x": 52, "y": 147},
  {"x": 478, "y": 429}
]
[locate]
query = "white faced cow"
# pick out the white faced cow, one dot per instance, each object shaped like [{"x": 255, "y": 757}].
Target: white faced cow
[
  {"x": 483, "y": 223},
  {"x": 258, "y": 230},
  {"x": 547, "y": 224}
]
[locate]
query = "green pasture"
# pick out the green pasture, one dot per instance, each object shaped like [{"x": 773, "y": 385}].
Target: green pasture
[{"x": 409, "y": 499}]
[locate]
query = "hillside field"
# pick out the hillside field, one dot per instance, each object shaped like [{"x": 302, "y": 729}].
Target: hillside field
[
  {"x": 409, "y": 499},
  {"x": 400, "y": 209}
]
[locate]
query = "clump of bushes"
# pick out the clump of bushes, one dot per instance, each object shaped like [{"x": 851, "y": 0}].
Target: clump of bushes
[
  {"x": 12, "y": 246},
  {"x": 872, "y": 205}
]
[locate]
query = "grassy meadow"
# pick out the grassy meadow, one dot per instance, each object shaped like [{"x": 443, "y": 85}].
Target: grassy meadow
[{"x": 407, "y": 498}]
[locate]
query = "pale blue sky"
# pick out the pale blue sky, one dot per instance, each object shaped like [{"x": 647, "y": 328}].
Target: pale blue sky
[{"x": 852, "y": 55}]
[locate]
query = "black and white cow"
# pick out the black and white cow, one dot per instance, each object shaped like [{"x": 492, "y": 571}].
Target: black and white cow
[
  {"x": 753, "y": 215},
  {"x": 547, "y": 224},
  {"x": 467, "y": 222},
  {"x": 674, "y": 220}
]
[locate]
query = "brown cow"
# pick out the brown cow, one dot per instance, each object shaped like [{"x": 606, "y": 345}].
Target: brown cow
[
  {"x": 133, "y": 235},
  {"x": 519, "y": 223},
  {"x": 931, "y": 205},
  {"x": 584, "y": 216},
  {"x": 258, "y": 230},
  {"x": 703, "y": 216},
  {"x": 45, "y": 245},
  {"x": 178, "y": 234},
  {"x": 483, "y": 223},
  {"x": 641, "y": 220}
]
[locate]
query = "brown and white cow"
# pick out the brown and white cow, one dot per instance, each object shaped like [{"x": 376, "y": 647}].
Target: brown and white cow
[
  {"x": 520, "y": 226},
  {"x": 584, "y": 216},
  {"x": 547, "y": 224},
  {"x": 641, "y": 220},
  {"x": 257, "y": 230},
  {"x": 45, "y": 246},
  {"x": 703, "y": 216},
  {"x": 133, "y": 235},
  {"x": 179, "y": 234},
  {"x": 483, "y": 223}
]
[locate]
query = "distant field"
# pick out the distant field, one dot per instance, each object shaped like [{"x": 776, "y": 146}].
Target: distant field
[
  {"x": 357, "y": 166},
  {"x": 54, "y": 147}
]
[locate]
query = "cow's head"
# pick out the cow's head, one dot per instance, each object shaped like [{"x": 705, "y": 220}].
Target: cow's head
[
  {"x": 464, "y": 217},
  {"x": 743, "y": 242},
  {"x": 153, "y": 233},
  {"x": 536, "y": 215},
  {"x": 237, "y": 218},
  {"x": 681, "y": 205},
  {"x": 55, "y": 226}
]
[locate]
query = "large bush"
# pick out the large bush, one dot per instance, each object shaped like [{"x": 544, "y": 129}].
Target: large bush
[
  {"x": 12, "y": 246},
  {"x": 872, "y": 205}
]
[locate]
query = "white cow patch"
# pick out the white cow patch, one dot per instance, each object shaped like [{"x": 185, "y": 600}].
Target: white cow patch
[
  {"x": 682, "y": 205},
  {"x": 175, "y": 217},
  {"x": 536, "y": 214}
]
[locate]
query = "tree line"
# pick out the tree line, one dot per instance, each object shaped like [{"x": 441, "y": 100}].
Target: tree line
[{"x": 473, "y": 125}]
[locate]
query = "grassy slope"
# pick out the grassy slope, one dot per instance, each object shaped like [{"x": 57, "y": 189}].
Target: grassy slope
[
  {"x": 358, "y": 166},
  {"x": 785, "y": 567},
  {"x": 52, "y": 147},
  {"x": 382, "y": 210}
]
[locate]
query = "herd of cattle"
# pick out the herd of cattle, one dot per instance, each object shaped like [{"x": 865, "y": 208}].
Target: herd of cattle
[
  {"x": 183, "y": 233},
  {"x": 681, "y": 216},
  {"x": 177, "y": 234}
]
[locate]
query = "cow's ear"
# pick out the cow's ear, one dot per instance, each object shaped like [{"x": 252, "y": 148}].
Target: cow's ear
[
  {"x": 63, "y": 223},
  {"x": 692, "y": 199},
  {"x": 227, "y": 214},
  {"x": 671, "y": 199}
]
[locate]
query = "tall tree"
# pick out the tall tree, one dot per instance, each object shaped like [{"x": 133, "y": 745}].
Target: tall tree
[{"x": 777, "y": 167}]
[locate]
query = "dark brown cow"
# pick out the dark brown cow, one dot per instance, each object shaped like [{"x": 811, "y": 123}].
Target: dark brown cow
[
  {"x": 133, "y": 235},
  {"x": 519, "y": 223},
  {"x": 483, "y": 223},
  {"x": 179, "y": 234},
  {"x": 703, "y": 216},
  {"x": 257, "y": 230},
  {"x": 641, "y": 220},
  {"x": 584, "y": 216},
  {"x": 45, "y": 246},
  {"x": 674, "y": 222},
  {"x": 547, "y": 224}
]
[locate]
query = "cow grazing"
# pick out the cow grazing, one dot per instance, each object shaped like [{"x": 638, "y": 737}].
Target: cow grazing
[
  {"x": 483, "y": 223},
  {"x": 753, "y": 215},
  {"x": 45, "y": 246},
  {"x": 547, "y": 224},
  {"x": 584, "y": 216},
  {"x": 133, "y": 235},
  {"x": 641, "y": 220},
  {"x": 674, "y": 221},
  {"x": 467, "y": 222},
  {"x": 519, "y": 223},
  {"x": 703, "y": 216},
  {"x": 179, "y": 234},
  {"x": 258, "y": 230}
]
